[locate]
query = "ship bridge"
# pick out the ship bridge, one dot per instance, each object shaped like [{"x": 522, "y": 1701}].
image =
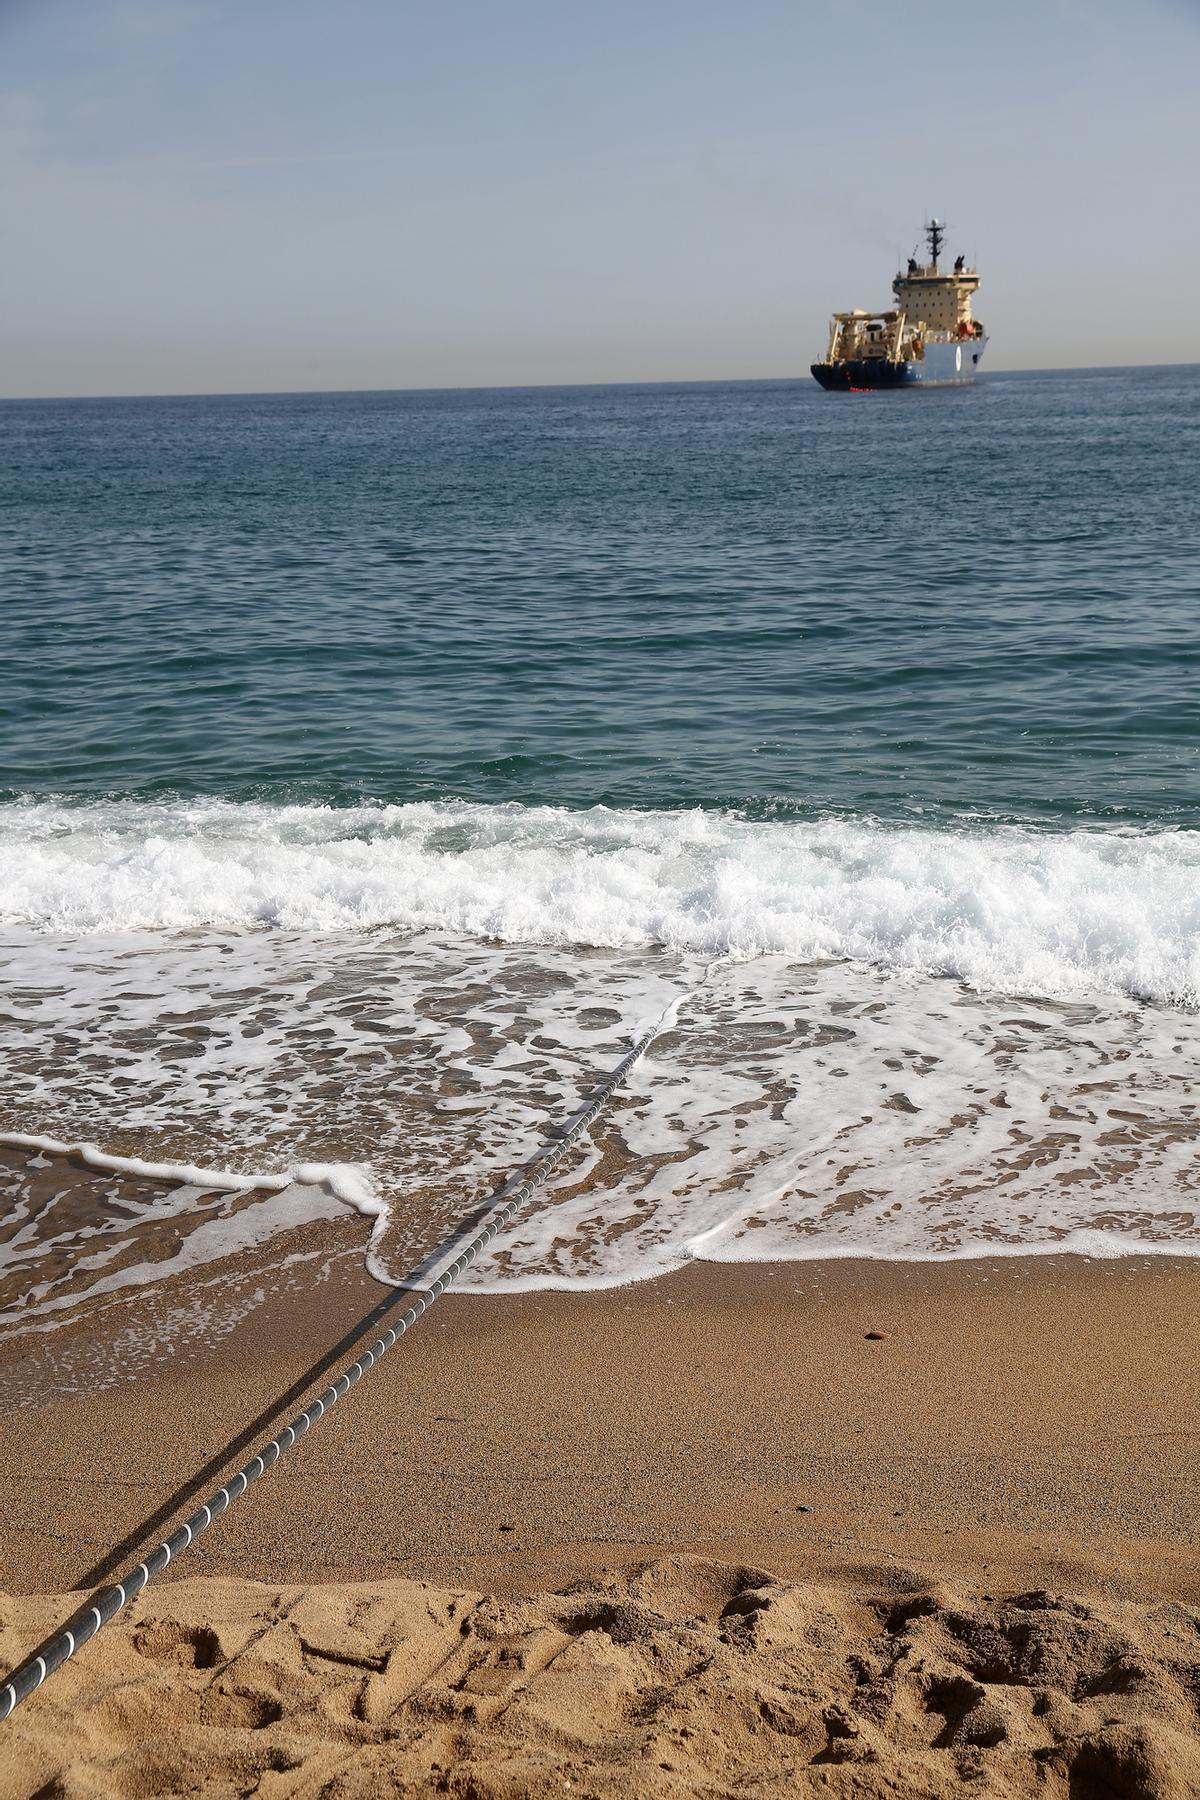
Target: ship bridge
[{"x": 938, "y": 299}]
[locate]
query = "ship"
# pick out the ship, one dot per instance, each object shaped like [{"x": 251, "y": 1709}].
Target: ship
[{"x": 928, "y": 338}]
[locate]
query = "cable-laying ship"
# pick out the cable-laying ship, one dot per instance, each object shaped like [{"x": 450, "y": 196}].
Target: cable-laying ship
[{"x": 929, "y": 336}]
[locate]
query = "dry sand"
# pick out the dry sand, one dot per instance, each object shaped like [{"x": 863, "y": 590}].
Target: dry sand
[
  {"x": 956, "y": 1557},
  {"x": 692, "y": 1677}
]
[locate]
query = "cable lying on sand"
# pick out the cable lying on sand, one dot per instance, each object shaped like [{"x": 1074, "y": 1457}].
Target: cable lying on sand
[{"x": 106, "y": 1602}]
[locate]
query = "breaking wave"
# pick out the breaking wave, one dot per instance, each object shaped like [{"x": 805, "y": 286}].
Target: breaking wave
[{"x": 1003, "y": 908}]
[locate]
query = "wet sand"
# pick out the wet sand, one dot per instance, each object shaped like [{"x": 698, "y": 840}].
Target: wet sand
[
  {"x": 1018, "y": 1424},
  {"x": 1023, "y": 1418}
]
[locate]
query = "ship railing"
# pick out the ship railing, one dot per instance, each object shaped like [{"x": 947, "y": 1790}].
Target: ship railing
[{"x": 927, "y": 272}]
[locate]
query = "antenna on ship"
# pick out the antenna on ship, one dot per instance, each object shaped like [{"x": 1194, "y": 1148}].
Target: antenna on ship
[{"x": 935, "y": 231}]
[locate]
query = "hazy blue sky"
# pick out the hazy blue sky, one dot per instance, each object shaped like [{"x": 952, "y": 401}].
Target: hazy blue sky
[{"x": 209, "y": 195}]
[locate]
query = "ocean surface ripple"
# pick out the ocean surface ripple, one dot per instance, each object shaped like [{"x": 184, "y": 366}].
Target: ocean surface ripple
[{"x": 757, "y": 595}]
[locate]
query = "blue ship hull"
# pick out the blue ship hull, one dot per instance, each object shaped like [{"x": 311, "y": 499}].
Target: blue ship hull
[{"x": 944, "y": 365}]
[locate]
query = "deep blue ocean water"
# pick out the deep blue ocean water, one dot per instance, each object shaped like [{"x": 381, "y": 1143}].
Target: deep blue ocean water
[{"x": 946, "y": 604}]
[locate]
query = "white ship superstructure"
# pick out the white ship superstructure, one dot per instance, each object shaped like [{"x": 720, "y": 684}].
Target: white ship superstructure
[{"x": 930, "y": 336}]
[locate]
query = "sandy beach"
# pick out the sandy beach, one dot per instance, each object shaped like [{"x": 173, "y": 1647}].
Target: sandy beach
[{"x": 851, "y": 1527}]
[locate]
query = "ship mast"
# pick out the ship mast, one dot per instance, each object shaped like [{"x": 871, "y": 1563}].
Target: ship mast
[{"x": 935, "y": 231}]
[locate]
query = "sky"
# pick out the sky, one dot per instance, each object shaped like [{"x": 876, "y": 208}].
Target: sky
[{"x": 212, "y": 196}]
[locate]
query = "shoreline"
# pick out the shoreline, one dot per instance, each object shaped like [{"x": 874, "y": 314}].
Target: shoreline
[{"x": 1018, "y": 1415}]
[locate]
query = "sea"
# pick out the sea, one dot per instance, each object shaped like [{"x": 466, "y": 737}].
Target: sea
[{"x": 376, "y": 767}]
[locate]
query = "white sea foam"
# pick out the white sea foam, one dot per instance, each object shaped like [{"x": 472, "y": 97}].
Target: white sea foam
[
  {"x": 386, "y": 1009},
  {"x": 791, "y": 1110},
  {"x": 341, "y": 1181},
  {"x": 1004, "y": 909}
]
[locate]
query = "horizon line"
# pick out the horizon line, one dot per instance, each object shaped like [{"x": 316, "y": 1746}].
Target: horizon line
[{"x": 527, "y": 387}]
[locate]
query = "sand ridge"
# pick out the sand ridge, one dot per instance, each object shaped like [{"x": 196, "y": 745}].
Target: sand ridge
[{"x": 686, "y": 1677}]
